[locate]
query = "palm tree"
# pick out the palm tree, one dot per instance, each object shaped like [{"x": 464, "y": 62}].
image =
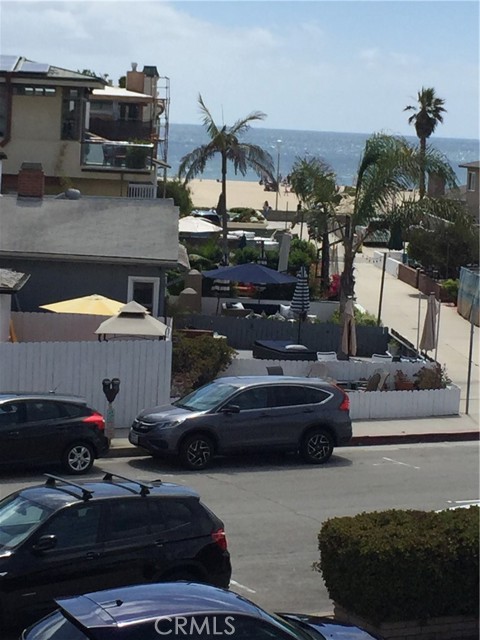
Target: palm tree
[
  {"x": 225, "y": 142},
  {"x": 428, "y": 113},
  {"x": 313, "y": 182},
  {"x": 388, "y": 168}
]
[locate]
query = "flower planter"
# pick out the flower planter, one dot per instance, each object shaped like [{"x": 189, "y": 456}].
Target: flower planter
[{"x": 404, "y": 386}]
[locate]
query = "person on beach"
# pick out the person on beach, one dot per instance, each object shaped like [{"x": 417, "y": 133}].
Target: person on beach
[{"x": 266, "y": 208}]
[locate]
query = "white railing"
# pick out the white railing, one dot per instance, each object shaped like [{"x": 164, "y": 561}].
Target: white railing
[{"x": 139, "y": 190}]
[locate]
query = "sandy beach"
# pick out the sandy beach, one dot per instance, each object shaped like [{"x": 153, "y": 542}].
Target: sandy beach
[{"x": 205, "y": 193}]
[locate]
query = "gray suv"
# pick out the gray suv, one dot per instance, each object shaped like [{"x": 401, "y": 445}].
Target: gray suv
[{"x": 248, "y": 413}]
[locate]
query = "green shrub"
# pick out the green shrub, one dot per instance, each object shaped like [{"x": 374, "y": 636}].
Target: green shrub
[
  {"x": 180, "y": 194},
  {"x": 196, "y": 361},
  {"x": 362, "y": 318},
  {"x": 451, "y": 288},
  {"x": 399, "y": 565}
]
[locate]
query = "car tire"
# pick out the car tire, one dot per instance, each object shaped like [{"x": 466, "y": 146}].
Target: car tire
[
  {"x": 196, "y": 451},
  {"x": 78, "y": 458},
  {"x": 317, "y": 446}
]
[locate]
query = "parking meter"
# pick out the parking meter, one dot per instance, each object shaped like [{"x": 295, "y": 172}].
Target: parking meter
[{"x": 111, "y": 388}]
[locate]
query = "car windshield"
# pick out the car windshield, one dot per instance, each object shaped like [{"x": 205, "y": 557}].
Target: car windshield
[
  {"x": 19, "y": 516},
  {"x": 54, "y": 627},
  {"x": 207, "y": 397}
]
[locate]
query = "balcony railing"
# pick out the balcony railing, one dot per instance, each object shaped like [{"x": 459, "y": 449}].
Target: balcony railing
[{"x": 113, "y": 156}]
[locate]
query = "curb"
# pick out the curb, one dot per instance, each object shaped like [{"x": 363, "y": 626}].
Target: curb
[{"x": 130, "y": 451}]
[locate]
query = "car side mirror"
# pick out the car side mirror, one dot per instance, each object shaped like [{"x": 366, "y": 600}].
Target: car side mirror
[
  {"x": 45, "y": 543},
  {"x": 231, "y": 408}
]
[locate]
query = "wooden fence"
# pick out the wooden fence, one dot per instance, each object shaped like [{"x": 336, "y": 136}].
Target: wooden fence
[{"x": 143, "y": 366}]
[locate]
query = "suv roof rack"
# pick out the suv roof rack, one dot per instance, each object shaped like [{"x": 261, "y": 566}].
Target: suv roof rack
[
  {"x": 144, "y": 486},
  {"x": 52, "y": 480}
]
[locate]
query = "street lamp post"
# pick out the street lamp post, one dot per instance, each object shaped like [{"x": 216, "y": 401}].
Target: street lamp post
[{"x": 279, "y": 142}]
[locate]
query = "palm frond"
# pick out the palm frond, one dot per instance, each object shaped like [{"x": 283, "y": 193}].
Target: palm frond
[{"x": 207, "y": 119}]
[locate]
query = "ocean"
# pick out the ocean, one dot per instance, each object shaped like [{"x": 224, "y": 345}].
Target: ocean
[{"x": 342, "y": 151}]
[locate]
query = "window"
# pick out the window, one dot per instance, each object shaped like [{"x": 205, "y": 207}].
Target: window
[
  {"x": 315, "y": 396},
  {"x": 72, "y": 113},
  {"x": 24, "y": 90},
  {"x": 43, "y": 410},
  {"x": 255, "y": 398},
  {"x": 174, "y": 518},
  {"x": 12, "y": 413},
  {"x": 75, "y": 526},
  {"x": 287, "y": 396},
  {"x": 145, "y": 291},
  {"x": 471, "y": 181},
  {"x": 74, "y": 410},
  {"x": 127, "y": 519},
  {"x": 18, "y": 518}
]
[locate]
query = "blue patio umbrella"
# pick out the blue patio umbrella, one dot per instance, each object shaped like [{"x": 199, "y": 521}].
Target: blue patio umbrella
[{"x": 251, "y": 273}]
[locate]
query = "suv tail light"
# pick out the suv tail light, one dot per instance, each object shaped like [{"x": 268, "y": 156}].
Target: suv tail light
[
  {"x": 96, "y": 419},
  {"x": 345, "y": 405},
  {"x": 220, "y": 538}
]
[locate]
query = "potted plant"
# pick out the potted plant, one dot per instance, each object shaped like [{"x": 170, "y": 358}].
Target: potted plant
[
  {"x": 432, "y": 378},
  {"x": 136, "y": 157},
  {"x": 403, "y": 382}
]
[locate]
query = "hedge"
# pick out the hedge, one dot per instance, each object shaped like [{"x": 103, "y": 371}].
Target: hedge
[{"x": 402, "y": 565}]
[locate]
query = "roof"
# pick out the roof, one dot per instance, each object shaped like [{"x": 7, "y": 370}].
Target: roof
[
  {"x": 470, "y": 165},
  {"x": 24, "y": 68},
  {"x": 118, "y": 93},
  {"x": 33, "y": 395},
  {"x": 154, "y": 601},
  {"x": 11, "y": 281},
  {"x": 101, "y": 490},
  {"x": 94, "y": 229}
]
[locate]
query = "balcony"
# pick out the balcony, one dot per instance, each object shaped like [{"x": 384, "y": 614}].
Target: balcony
[{"x": 117, "y": 156}]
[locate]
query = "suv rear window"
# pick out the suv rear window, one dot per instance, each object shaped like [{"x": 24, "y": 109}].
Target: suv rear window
[
  {"x": 55, "y": 627},
  {"x": 75, "y": 410},
  {"x": 179, "y": 519}
]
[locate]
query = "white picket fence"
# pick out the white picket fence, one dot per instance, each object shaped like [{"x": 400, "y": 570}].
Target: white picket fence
[
  {"x": 143, "y": 367},
  {"x": 366, "y": 405}
]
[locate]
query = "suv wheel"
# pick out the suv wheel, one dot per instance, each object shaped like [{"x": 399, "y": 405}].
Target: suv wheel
[
  {"x": 196, "y": 452},
  {"x": 78, "y": 458},
  {"x": 317, "y": 446}
]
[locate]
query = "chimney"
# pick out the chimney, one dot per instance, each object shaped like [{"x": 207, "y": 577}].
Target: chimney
[
  {"x": 135, "y": 79},
  {"x": 31, "y": 180}
]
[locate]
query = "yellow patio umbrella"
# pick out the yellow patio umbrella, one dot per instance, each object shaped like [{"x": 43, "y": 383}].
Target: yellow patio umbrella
[{"x": 95, "y": 305}]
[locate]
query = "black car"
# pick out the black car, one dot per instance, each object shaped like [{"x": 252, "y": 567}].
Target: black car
[
  {"x": 248, "y": 413},
  {"x": 194, "y": 611},
  {"x": 44, "y": 428},
  {"x": 65, "y": 538}
]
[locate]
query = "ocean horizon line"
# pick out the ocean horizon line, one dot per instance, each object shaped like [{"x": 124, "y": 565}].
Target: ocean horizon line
[{"x": 346, "y": 133}]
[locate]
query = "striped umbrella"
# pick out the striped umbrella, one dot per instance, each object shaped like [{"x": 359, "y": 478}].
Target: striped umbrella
[{"x": 300, "y": 304}]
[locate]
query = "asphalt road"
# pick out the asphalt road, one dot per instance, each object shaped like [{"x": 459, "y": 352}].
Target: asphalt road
[{"x": 273, "y": 508}]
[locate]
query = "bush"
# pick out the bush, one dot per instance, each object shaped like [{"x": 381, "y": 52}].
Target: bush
[
  {"x": 362, "y": 318},
  {"x": 402, "y": 565},
  {"x": 196, "y": 361},
  {"x": 180, "y": 194},
  {"x": 451, "y": 288}
]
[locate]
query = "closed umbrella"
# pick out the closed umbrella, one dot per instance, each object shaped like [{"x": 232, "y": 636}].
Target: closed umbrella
[
  {"x": 301, "y": 296},
  {"x": 349, "y": 334},
  {"x": 94, "y": 304},
  {"x": 429, "y": 334}
]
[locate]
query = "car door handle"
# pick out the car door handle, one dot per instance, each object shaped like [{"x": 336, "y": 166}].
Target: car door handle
[
  {"x": 92, "y": 555},
  {"x": 159, "y": 543}
]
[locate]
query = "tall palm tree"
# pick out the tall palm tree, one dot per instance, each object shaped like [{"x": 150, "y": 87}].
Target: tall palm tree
[
  {"x": 388, "y": 168},
  {"x": 428, "y": 113},
  {"x": 225, "y": 142}
]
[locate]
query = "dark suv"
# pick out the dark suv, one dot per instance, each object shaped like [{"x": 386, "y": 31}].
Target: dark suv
[
  {"x": 248, "y": 413},
  {"x": 44, "y": 428},
  {"x": 64, "y": 538}
]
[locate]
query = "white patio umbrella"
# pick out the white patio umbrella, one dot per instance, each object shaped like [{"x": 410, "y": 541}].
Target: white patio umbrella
[
  {"x": 191, "y": 225},
  {"x": 428, "y": 340}
]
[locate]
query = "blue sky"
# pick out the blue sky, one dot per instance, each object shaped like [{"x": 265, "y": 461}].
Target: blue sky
[{"x": 315, "y": 65}]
